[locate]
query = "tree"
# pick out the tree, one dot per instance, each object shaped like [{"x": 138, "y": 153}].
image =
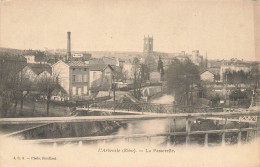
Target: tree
[
  {"x": 181, "y": 77},
  {"x": 138, "y": 80},
  {"x": 145, "y": 72},
  {"x": 160, "y": 67},
  {"x": 150, "y": 62},
  {"x": 254, "y": 75},
  {"x": 102, "y": 84},
  {"x": 46, "y": 86},
  {"x": 13, "y": 84}
]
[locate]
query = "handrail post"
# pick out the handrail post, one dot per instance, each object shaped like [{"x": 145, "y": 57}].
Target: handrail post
[
  {"x": 247, "y": 136},
  {"x": 149, "y": 140},
  {"x": 80, "y": 143},
  {"x": 223, "y": 139},
  {"x": 206, "y": 139},
  {"x": 239, "y": 138},
  {"x": 169, "y": 136},
  {"x": 239, "y": 134},
  {"x": 188, "y": 124},
  {"x": 174, "y": 130}
]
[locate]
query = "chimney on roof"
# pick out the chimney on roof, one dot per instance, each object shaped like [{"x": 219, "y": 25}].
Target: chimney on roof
[{"x": 68, "y": 46}]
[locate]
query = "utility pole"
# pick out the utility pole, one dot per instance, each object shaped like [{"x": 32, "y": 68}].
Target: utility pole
[{"x": 114, "y": 94}]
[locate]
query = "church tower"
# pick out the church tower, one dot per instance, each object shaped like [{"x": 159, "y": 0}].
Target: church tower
[{"x": 148, "y": 46}]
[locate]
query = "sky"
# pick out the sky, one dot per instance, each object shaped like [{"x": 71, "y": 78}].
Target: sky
[{"x": 222, "y": 29}]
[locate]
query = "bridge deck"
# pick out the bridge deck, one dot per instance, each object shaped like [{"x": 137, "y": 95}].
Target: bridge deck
[
  {"x": 96, "y": 138},
  {"x": 119, "y": 117}
]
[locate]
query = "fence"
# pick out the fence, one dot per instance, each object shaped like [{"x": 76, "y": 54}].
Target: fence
[{"x": 152, "y": 107}]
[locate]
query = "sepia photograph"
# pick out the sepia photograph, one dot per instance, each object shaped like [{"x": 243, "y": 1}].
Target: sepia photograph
[{"x": 149, "y": 83}]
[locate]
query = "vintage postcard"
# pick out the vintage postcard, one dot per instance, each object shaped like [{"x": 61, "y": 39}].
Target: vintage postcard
[{"x": 129, "y": 83}]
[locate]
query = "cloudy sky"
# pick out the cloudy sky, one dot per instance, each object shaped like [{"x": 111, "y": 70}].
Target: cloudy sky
[{"x": 223, "y": 29}]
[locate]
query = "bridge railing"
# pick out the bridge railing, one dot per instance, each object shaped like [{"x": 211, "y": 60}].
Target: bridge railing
[
  {"x": 153, "y": 107},
  {"x": 246, "y": 134}
]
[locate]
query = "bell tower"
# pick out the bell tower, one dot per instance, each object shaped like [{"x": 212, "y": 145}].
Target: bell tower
[{"x": 148, "y": 46}]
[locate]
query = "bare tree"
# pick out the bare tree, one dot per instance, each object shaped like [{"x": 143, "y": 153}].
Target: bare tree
[
  {"x": 46, "y": 86},
  {"x": 13, "y": 85}
]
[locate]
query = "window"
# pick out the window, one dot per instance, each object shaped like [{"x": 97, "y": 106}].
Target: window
[
  {"x": 73, "y": 90},
  {"x": 85, "y": 78},
  {"x": 79, "y": 91},
  {"x": 94, "y": 75},
  {"x": 73, "y": 69},
  {"x": 85, "y": 69},
  {"x": 85, "y": 90},
  {"x": 79, "y": 78},
  {"x": 73, "y": 78}
]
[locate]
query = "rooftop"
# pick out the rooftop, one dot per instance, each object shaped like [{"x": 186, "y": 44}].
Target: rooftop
[
  {"x": 39, "y": 68},
  {"x": 77, "y": 64}
]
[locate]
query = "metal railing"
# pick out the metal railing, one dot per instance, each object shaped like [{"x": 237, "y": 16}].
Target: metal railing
[
  {"x": 153, "y": 107},
  {"x": 253, "y": 130}
]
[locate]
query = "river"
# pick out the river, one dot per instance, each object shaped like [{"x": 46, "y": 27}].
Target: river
[
  {"x": 162, "y": 126},
  {"x": 151, "y": 126}
]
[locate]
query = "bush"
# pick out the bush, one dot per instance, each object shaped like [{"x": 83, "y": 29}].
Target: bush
[{"x": 238, "y": 94}]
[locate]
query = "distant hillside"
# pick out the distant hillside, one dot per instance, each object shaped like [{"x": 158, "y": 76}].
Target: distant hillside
[
  {"x": 10, "y": 51},
  {"x": 117, "y": 54}
]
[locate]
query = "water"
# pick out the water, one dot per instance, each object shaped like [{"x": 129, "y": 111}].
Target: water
[
  {"x": 165, "y": 99},
  {"x": 151, "y": 126}
]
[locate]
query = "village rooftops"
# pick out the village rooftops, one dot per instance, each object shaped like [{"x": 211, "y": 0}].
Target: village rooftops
[
  {"x": 97, "y": 67},
  {"x": 101, "y": 67},
  {"x": 39, "y": 68},
  {"x": 76, "y": 64}
]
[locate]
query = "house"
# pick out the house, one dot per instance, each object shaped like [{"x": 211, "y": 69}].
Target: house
[
  {"x": 95, "y": 74},
  {"x": 84, "y": 57},
  {"x": 30, "y": 58},
  {"x": 94, "y": 61},
  {"x": 73, "y": 77},
  {"x": 34, "y": 72},
  {"x": 109, "y": 60},
  {"x": 196, "y": 58},
  {"x": 120, "y": 62},
  {"x": 59, "y": 94},
  {"x": 128, "y": 70},
  {"x": 112, "y": 73},
  {"x": 101, "y": 73},
  {"x": 207, "y": 76},
  {"x": 231, "y": 66}
]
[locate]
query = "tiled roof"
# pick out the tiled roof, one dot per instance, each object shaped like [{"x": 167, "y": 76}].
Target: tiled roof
[
  {"x": 116, "y": 68},
  {"x": 39, "y": 68},
  {"x": 97, "y": 67},
  {"x": 96, "y": 61},
  {"x": 77, "y": 64}
]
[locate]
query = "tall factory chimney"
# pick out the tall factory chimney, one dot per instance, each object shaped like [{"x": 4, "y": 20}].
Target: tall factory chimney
[{"x": 68, "y": 46}]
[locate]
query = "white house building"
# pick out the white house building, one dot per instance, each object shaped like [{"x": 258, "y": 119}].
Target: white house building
[
  {"x": 73, "y": 77},
  {"x": 207, "y": 76},
  {"x": 34, "y": 72},
  {"x": 30, "y": 58}
]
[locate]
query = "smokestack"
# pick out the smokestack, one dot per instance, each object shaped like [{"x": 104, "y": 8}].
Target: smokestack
[{"x": 68, "y": 46}]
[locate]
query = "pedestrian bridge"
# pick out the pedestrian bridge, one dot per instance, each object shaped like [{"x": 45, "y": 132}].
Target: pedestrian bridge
[
  {"x": 250, "y": 132},
  {"x": 152, "y": 108}
]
